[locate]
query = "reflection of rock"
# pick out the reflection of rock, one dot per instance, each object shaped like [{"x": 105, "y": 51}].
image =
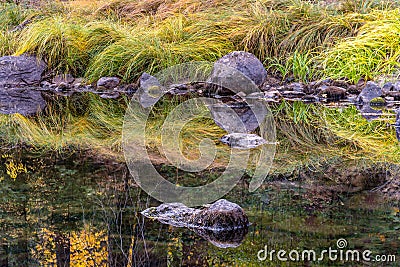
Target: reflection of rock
[
  {"x": 370, "y": 91},
  {"x": 239, "y": 117},
  {"x": 244, "y": 62},
  {"x": 223, "y": 223},
  {"x": 369, "y": 113},
  {"x": 397, "y": 124},
  {"x": 20, "y": 100},
  {"x": 236, "y": 117},
  {"x": 242, "y": 140},
  {"x": 150, "y": 90},
  {"x": 224, "y": 238}
]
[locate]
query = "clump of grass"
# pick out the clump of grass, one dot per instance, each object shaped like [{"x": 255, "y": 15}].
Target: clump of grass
[
  {"x": 173, "y": 41},
  {"x": 61, "y": 43},
  {"x": 7, "y": 43},
  {"x": 301, "y": 65},
  {"x": 12, "y": 15},
  {"x": 159, "y": 9},
  {"x": 374, "y": 51}
]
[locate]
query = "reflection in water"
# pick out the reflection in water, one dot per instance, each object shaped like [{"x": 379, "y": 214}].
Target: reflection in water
[
  {"x": 369, "y": 113},
  {"x": 224, "y": 238},
  {"x": 78, "y": 213},
  {"x": 397, "y": 124}
]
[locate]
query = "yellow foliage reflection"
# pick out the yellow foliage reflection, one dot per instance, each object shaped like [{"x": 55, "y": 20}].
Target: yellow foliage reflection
[{"x": 86, "y": 247}]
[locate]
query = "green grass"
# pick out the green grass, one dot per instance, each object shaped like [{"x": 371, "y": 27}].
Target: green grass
[
  {"x": 374, "y": 51},
  {"x": 125, "y": 38}
]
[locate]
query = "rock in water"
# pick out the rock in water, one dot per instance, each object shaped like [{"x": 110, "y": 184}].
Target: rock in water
[
  {"x": 20, "y": 71},
  {"x": 243, "y": 140},
  {"x": 221, "y": 215},
  {"x": 244, "y": 62},
  {"x": 223, "y": 223},
  {"x": 370, "y": 91},
  {"x": 108, "y": 83}
]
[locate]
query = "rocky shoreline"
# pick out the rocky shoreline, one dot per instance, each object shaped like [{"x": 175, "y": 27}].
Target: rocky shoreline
[{"x": 23, "y": 79}]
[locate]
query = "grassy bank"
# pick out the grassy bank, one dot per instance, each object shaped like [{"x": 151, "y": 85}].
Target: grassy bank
[
  {"x": 345, "y": 39},
  {"x": 349, "y": 38}
]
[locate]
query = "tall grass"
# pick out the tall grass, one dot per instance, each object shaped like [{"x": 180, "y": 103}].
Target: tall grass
[{"x": 374, "y": 51}]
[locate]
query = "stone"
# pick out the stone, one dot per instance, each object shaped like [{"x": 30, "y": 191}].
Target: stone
[
  {"x": 108, "y": 82},
  {"x": 333, "y": 93},
  {"x": 354, "y": 89},
  {"x": 297, "y": 87},
  {"x": 310, "y": 99},
  {"x": 394, "y": 94},
  {"x": 244, "y": 62},
  {"x": 223, "y": 223},
  {"x": 370, "y": 91},
  {"x": 221, "y": 215},
  {"x": 63, "y": 78},
  {"x": 243, "y": 140},
  {"x": 292, "y": 94},
  {"x": 25, "y": 101},
  {"x": 387, "y": 87},
  {"x": 274, "y": 94},
  {"x": 377, "y": 102},
  {"x": 21, "y": 71}
]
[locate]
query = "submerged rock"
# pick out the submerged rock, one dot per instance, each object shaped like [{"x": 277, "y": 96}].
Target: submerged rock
[
  {"x": 370, "y": 91},
  {"x": 245, "y": 62},
  {"x": 20, "y": 71},
  {"x": 243, "y": 140},
  {"x": 223, "y": 223}
]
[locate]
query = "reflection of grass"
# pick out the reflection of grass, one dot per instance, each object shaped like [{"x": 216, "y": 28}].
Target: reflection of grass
[{"x": 304, "y": 132}]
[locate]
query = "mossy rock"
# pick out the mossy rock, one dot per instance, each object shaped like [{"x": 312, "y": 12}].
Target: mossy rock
[{"x": 377, "y": 102}]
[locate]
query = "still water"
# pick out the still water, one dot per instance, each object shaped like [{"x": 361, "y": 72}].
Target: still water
[{"x": 77, "y": 211}]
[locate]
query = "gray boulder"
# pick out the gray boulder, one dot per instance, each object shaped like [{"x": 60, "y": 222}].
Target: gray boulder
[
  {"x": 223, "y": 223},
  {"x": 370, "y": 91},
  {"x": 20, "y": 70},
  {"x": 244, "y": 62}
]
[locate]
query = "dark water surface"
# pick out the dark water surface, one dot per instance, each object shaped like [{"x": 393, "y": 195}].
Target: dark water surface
[{"x": 83, "y": 212}]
